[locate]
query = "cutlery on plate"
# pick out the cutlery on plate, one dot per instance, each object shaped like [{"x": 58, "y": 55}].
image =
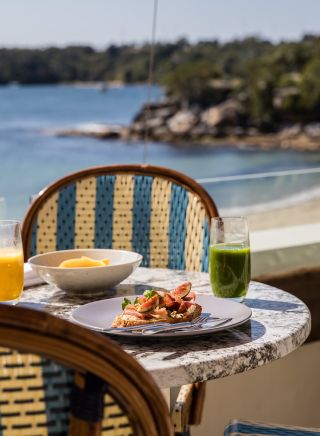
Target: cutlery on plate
[
  {"x": 155, "y": 326},
  {"x": 207, "y": 326},
  {"x": 200, "y": 319},
  {"x": 128, "y": 329},
  {"x": 197, "y": 326}
]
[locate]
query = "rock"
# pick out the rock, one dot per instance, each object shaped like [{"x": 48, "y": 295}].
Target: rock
[
  {"x": 163, "y": 110},
  {"x": 252, "y": 131},
  {"x": 235, "y": 131},
  {"x": 153, "y": 123},
  {"x": 290, "y": 131},
  {"x": 225, "y": 113},
  {"x": 202, "y": 131},
  {"x": 160, "y": 104},
  {"x": 313, "y": 130},
  {"x": 125, "y": 133},
  {"x": 161, "y": 134},
  {"x": 199, "y": 130},
  {"x": 96, "y": 130},
  {"x": 162, "y": 113},
  {"x": 137, "y": 127},
  {"x": 182, "y": 122},
  {"x": 112, "y": 133}
]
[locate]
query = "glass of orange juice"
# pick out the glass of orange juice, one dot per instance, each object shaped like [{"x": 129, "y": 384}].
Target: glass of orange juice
[{"x": 11, "y": 262}]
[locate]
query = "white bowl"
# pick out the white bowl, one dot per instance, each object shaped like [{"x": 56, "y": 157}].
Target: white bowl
[{"x": 122, "y": 264}]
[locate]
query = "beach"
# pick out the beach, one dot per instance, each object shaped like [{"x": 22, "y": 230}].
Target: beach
[{"x": 307, "y": 212}]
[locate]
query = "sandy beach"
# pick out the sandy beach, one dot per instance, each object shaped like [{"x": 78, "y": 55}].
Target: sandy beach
[{"x": 306, "y": 212}]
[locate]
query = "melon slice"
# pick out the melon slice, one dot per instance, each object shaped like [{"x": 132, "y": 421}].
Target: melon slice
[{"x": 83, "y": 262}]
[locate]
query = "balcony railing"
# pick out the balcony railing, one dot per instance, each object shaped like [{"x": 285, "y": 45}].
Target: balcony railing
[{"x": 260, "y": 192}]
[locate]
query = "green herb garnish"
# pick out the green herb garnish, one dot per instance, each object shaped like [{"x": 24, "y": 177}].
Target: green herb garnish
[
  {"x": 136, "y": 301},
  {"x": 149, "y": 294},
  {"x": 125, "y": 303}
]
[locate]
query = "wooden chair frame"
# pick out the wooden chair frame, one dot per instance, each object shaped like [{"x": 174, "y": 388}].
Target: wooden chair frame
[
  {"x": 146, "y": 170},
  {"x": 39, "y": 333}
]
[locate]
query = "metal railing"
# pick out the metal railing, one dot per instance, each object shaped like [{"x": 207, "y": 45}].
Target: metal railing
[
  {"x": 259, "y": 175},
  {"x": 258, "y": 192}
]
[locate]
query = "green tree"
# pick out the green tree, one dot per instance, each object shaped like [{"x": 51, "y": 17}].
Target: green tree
[
  {"x": 310, "y": 87},
  {"x": 190, "y": 82}
]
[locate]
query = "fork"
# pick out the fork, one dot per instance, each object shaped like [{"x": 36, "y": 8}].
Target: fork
[
  {"x": 154, "y": 326},
  {"x": 194, "y": 326}
]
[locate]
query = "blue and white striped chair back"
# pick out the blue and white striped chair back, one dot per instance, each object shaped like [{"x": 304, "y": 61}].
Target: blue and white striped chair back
[
  {"x": 163, "y": 217},
  {"x": 242, "y": 428}
]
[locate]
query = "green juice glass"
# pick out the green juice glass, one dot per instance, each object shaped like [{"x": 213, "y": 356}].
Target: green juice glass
[{"x": 230, "y": 265}]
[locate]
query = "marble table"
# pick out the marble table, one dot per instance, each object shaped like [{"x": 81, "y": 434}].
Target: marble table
[{"x": 280, "y": 324}]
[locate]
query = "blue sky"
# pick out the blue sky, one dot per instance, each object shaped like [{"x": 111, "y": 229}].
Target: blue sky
[{"x": 102, "y": 22}]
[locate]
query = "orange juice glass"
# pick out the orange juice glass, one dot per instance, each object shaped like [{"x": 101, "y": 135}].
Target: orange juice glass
[{"x": 11, "y": 262}]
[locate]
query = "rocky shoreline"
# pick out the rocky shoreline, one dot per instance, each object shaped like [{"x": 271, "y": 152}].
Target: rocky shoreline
[{"x": 215, "y": 126}]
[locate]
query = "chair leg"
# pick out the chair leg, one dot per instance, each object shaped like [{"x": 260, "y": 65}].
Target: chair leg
[
  {"x": 184, "y": 433},
  {"x": 188, "y": 408},
  {"x": 197, "y": 406}
]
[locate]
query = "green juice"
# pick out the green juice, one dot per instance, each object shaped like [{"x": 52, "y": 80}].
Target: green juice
[{"x": 229, "y": 270}]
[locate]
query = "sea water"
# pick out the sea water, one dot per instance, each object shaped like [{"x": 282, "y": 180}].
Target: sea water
[{"x": 32, "y": 157}]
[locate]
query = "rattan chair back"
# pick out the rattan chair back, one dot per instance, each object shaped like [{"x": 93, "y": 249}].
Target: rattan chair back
[
  {"x": 160, "y": 213},
  {"x": 56, "y": 378}
]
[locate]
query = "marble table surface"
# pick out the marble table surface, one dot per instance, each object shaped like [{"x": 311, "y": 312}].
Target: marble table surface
[{"x": 280, "y": 324}]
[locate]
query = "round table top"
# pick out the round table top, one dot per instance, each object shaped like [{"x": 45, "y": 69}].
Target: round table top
[{"x": 280, "y": 323}]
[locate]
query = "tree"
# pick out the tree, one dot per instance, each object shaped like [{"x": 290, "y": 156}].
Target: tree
[
  {"x": 310, "y": 87},
  {"x": 190, "y": 82}
]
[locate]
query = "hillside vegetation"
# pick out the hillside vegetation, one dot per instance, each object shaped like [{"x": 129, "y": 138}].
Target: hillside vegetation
[{"x": 274, "y": 83}]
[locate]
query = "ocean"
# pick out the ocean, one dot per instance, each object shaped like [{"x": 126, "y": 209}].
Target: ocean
[{"x": 32, "y": 157}]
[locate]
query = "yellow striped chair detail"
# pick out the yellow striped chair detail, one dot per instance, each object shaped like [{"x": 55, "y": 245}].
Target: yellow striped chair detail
[
  {"x": 57, "y": 379},
  {"x": 35, "y": 398},
  {"x": 34, "y": 395}
]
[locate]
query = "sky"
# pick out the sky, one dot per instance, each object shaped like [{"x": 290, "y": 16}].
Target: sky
[{"x": 40, "y": 23}]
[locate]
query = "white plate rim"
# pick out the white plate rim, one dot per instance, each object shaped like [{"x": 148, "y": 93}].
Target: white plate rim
[{"x": 172, "y": 335}]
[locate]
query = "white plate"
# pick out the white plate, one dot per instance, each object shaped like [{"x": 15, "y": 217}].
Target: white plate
[
  {"x": 122, "y": 264},
  {"x": 99, "y": 315}
]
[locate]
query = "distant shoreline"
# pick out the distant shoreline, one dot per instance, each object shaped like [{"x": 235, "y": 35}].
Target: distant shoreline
[
  {"x": 168, "y": 121},
  {"x": 271, "y": 141},
  {"x": 77, "y": 83},
  {"x": 286, "y": 139}
]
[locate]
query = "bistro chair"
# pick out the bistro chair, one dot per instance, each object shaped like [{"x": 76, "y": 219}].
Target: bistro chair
[
  {"x": 242, "y": 428},
  {"x": 160, "y": 213},
  {"x": 57, "y": 379}
]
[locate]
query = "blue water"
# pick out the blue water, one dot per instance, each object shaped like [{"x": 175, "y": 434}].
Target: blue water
[{"x": 31, "y": 158}]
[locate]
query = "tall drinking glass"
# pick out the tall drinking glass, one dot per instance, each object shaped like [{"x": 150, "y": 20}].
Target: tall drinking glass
[
  {"x": 230, "y": 257},
  {"x": 11, "y": 262}
]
